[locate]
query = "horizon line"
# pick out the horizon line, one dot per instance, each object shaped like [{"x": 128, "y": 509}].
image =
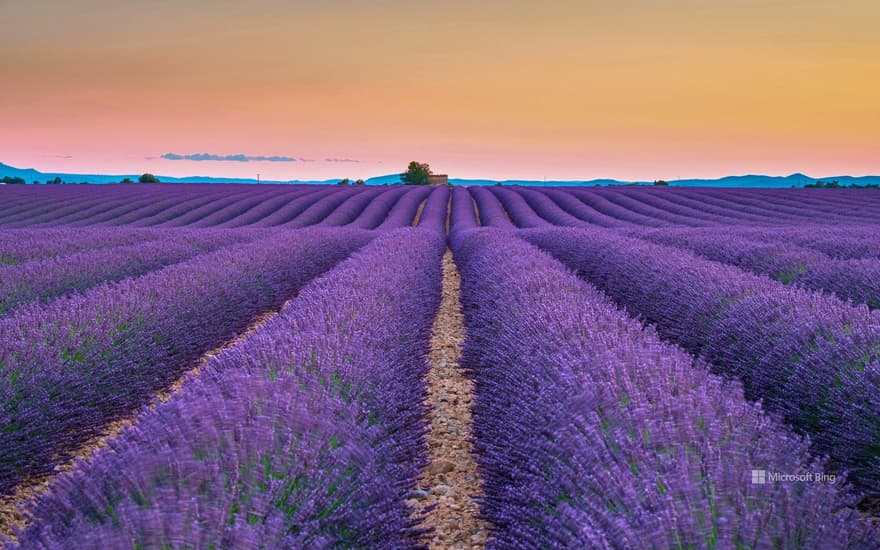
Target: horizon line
[{"x": 451, "y": 177}]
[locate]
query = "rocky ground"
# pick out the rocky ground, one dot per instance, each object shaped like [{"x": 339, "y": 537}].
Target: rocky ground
[{"x": 449, "y": 486}]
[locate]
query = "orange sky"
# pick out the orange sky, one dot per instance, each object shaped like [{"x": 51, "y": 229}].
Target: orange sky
[{"x": 557, "y": 89}]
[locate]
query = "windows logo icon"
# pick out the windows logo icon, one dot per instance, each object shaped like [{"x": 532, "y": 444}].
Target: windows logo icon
[{"x": 759, "y": 477}]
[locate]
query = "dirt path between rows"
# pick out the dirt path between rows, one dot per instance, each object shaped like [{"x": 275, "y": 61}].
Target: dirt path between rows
[
  {"x": 418, "y": 216},
  {"x": 12, "y": 506},
  {"x": 450, "y": 482}
]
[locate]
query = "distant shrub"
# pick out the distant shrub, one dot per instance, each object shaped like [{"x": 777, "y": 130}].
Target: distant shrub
[
  {"x": 127, "y": 180},
  {"x": 836, "y": 185},
  {"x": 416, "y": 174},
  {"x": 148, "y": 178},
  {"x": 345, "y": 181},
  {"x": 824, "y": 184},
  {"x": 661, "y": 183},
  {"x": 12, "y": 180},
  {"x": 360, "y": 182}
]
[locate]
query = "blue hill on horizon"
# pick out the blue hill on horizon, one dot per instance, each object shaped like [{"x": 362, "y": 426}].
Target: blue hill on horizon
[{"x": 744, "y": 181}]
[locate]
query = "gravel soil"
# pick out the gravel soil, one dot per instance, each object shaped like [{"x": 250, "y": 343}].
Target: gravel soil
[{"x": 449, "y": 486}]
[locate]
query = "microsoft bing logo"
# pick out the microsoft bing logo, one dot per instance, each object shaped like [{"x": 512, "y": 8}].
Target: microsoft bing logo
[{"x": 759, "y": 477}]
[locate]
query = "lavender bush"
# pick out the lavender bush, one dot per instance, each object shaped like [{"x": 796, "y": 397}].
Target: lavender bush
[
  {"x": 544, "y": 206},
  {"x": 70, "y": 367},
  {"x": 592, "y": 433},
  {"x": 321, "y": 209},
  {"x": 189, "y": 211},
  {"x": 24, "y": 245},
  {"x": 44, "y": 280},
  {"x": 134, "y": 211},
  {"x": 119, "y": 212},
  {"x": 377, "y": 210},
  {"x": 570, "y": 204},
  {"x": 234, "y": 209},
  {"x": 404, "y": 211},
  {"x": 810, "y": 357},
  {"x": 491, "y": 211},
  {"x": 278, "y": 203},
  {"x": 462, "y": 210},
  {"x": 844, "y": 242},
  {"x": 857, "y": 280},
  {"x": 520, "y": 211},
  {"x": 357, "y": 201},
  {"x": 436, "y": 210},
  {"x": 291, "y": 209},
  {"x": 308, "y": 434},
  {"x": 597, "y": 201}
]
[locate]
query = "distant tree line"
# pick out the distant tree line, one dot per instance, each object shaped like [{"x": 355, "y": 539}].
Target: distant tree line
[
  {"x": 347, "y": 181},
  {"x": 54, "y": 181},
  {"x": 834, "y": 184},
  {"x": 15, "y": 180}
]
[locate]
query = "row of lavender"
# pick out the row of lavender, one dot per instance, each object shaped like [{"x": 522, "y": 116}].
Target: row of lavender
[
  {"x": 782, "y": 259},
  {"x": 578, "y": 207},
  {"x": 38, "y": 265},
  {"x": 307, "y": 434},
  {"x": 397, "y": 207},
  {"x": 842, "y": 242},
  {"x": 842, "y": 260},
  {"x": 61, "y": 274},
  {"x": 687, "y": 207},
  {"x": 72, "y": 365},
  {"x": 110, "y": 502},
  {"x": 589, "y": 247},
  {"x": 24, "y": 245},
  {"x": 809, "y": 357},
  {"x": 290, "y": 207},
  {"x": 591, "y": 433},
  {"x": 368, "y": 207},
  {"x": 297, "y": 207},
  {"x": 41, "y": 264},
  {"x": 832, "y": 394}
]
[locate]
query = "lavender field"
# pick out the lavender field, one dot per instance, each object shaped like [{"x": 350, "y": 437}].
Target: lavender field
[{"x": 255, "y": 366}]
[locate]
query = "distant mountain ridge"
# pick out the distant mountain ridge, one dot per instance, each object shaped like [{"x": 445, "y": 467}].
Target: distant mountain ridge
[
  {"x": 746, "y": 181},
  {"x": 752, "y": 180},
  {"x": 30, "y": 175}
]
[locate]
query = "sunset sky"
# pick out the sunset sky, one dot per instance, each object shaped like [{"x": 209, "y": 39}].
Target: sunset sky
[{"x": 579, "y": 89}]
